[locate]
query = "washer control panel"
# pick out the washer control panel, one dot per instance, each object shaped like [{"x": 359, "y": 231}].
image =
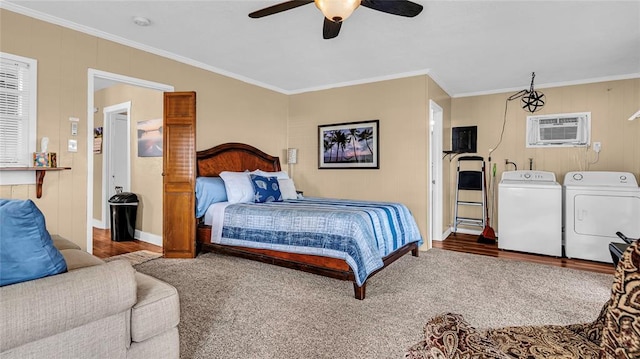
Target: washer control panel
[
  {"x": 529, "y": 176},
  {"x": 600, "y": 178}
]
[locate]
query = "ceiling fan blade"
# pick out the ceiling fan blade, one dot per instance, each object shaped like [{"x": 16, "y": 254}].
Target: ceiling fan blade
[
  {"x": 287, "y": 5},
  {"x": 394, "y": 7},
  {"x": 330, "y": 29}
]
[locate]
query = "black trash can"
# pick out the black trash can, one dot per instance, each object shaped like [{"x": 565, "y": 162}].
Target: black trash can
[{"x": 124, "y": 207}]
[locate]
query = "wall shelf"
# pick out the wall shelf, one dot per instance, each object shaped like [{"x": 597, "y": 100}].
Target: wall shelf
[{"x": 40, "y": 172}]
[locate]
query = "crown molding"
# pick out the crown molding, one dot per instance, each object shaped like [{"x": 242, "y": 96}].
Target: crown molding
[
  {"x": 166, "y": 54},
  {"x": 120, "y": 40},
  {"x": 360, "y": 82},
  {"x": 187, "y": 61},
  {"x": 553, "y": 84}
]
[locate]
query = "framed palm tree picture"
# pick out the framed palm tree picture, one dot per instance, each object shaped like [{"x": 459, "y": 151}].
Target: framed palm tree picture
[{"x": 349, "y": 145}]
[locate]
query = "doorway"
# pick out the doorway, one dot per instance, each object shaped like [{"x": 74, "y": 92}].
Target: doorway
[
  {"x": 435, "y": 202},
  {"x": 116, "y": 165},
  {"x": 97, "y": 80}
]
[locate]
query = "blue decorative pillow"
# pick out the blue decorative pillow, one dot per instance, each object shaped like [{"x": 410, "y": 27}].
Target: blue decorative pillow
[
  {"x": 266, "y": 189},
  {"x": 26, "y": 248},
  {"x": 209, "y": 190}
]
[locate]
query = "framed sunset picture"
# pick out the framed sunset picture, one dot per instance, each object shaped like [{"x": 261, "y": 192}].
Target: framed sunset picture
[
  {"x": 150, "y": 138},
  {"x": 349, "y": 145}
]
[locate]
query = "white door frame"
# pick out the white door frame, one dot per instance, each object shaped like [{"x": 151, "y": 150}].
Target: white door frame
[
  {"x": 435, "y": 201},
  {"x": 108, "y": 113},
  {"x": 94, "y": 74}
]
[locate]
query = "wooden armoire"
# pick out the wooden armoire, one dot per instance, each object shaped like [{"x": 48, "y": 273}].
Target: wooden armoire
[{"x": 179, "y": 175}]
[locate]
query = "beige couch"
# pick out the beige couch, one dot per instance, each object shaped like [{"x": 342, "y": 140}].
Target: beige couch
[{"x": 95, "y": 310}]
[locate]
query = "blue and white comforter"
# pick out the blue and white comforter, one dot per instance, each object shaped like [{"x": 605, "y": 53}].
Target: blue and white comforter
[{"x": 360, "y": 232}]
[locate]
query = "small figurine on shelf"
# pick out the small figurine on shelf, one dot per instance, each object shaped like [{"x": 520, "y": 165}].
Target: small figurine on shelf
[{"x": 44, "y": 158}]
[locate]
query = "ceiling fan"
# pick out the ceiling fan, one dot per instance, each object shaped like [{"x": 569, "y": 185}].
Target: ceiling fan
[{"x": 336, "y": 11}]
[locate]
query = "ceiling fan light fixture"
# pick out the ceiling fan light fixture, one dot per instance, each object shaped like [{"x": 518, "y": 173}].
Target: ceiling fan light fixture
[{"x": 337, "y": 10}]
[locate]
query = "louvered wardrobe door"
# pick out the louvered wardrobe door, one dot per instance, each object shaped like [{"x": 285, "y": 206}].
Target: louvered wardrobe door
[{"x": 179, "y": 134}]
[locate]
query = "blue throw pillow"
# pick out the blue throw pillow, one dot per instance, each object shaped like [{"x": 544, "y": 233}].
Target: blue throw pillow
[
  {"x": 266, "y": 189},
  {"x": 26, "y": 248},
  {"x": 209, "y": 190}
]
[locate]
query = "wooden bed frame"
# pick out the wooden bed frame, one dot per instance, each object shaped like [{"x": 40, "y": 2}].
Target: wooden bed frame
[{"x": 239, "y": 157}]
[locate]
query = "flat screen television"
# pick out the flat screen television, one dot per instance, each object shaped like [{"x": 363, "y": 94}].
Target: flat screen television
[{"x": 464, "y": 139}]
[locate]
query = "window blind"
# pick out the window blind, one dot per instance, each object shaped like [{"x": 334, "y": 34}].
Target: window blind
[{"x": 14, "y": 113}]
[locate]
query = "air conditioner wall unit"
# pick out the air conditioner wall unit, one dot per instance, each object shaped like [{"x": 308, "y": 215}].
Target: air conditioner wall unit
[{"x": 559, "y": 130}]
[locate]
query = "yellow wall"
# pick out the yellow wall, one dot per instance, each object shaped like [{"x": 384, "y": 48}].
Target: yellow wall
[
  {"x": 146, "y": 172},
  {"x": 402, "y": 108},
  {"x": 610, "y": 103},
  {"x": 230, "y": 110},
  {"x": 227, "y": 109}
]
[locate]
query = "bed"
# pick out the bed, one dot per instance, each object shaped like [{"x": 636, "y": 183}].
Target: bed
[{"x": 386, "y": 220}]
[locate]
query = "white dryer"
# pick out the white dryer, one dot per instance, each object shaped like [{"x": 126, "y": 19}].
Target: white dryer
[
  {"x": 530, "y": 212},
  {"x": 598, "y": 204}
]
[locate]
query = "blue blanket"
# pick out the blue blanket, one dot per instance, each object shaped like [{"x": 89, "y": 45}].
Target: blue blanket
[{"x": 360, "y": 232}]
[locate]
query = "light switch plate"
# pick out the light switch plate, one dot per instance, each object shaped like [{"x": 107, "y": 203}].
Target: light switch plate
[{"x": 72, "y": 146}]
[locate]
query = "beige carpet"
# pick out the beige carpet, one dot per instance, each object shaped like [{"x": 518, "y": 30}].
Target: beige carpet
[
  {"x": 236, "y": 308},
  {"x": 137, "y": 257}
]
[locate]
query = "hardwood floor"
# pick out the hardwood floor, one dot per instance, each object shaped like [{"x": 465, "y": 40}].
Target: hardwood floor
[
  {"x": 468, "y": 243},
  {"x": 104, "y": 247}
]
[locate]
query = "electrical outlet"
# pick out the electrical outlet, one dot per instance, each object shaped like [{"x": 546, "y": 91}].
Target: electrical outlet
[{"x": 597, "y": 146}]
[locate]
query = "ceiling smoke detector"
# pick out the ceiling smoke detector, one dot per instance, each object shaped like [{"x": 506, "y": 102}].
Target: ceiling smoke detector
[{"x": 141, "y": 21}]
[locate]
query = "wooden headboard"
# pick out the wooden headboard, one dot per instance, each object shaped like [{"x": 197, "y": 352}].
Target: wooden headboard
[{"x": 235, "y": 157}]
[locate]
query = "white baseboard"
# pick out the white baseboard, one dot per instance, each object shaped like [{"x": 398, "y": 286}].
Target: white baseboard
[
  {"x": 444, "y": 235},
  {"x": 467, "y": 231},
  {"x": 99, "y": 224},
  {"x": 148, "y": 237}
]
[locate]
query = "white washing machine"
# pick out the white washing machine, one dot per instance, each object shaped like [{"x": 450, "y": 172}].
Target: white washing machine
[
  {"x": 598, "y": 204},
  {"x": 530, "y": 212}
]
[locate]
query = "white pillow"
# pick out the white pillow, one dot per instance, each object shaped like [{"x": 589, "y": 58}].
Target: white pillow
[
  {"x": 287, "y": 188},
  {"x": 279, "y": 175},
  {"x": 238, "y": 186}
]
